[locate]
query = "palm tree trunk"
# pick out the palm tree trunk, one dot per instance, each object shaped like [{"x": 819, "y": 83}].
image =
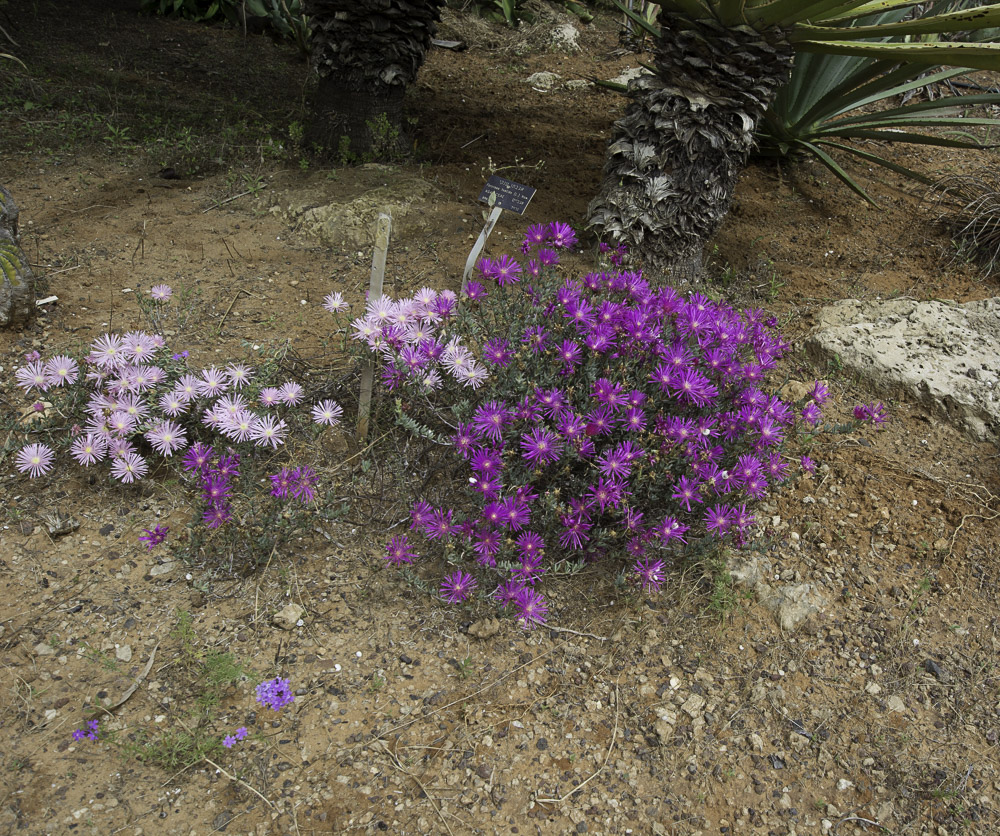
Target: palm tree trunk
[
  {"x": 17, "y": 283},
  {"x": 366, "y": 53},
  {"x": 675, "y": 156}
]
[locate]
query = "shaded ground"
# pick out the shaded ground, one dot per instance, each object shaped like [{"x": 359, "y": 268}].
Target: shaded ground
[{"x": 691, "y": 712}]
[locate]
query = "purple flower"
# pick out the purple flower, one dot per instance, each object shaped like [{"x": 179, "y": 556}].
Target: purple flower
[
  {"x": 535, "y": 338},
  {"x": 440, "y": 524},
  {"x": 304, "y": 481},
  {"x": 153, "y": 537},
  {"x": 530, "y": 544},
  {"x": 615, "y": 464},
  {"x": 161, "y": 292},
  {"x": 819, "y": 393},
  {"x": 570, "y": 353},
  {"x": 33, "y": 376},
  {"x": 474, "y": 291},
  {"x": 490, "y": 418},
  {"x": 541, "y": 446},
  {"x": 807, "y": 464},
  {"x": 561, "y": 234},
  {"x": 515, "y": 513},
  {"x": 498, "y": 352},
  {"x": 574, "y": 533},
  {"x": 606, "y": 492},
  {"x": 811, "y": 413},
  {"x": 686, "y": 492},
  {"x": 62, "y": 370},
  {"x": 398, "y": 551},
  {"x": 275, "y": 694},
  {"x": 213, "y": 383},
  {"x": 35, "y": 460},
  {"x": 531, "y": 607},
  {"x": 281, "y": 483},
  {"x": 198, "y": 457},
  {"x": 106, "y": 351},
  {"x": 229, "y": 741},
  {"x": 506, "y": 271},
  {"x": 486, "y": 462},
  {"x": 650, "y": 574},
  {"x": 270, "y": 396},
  {"x": 241, "y": 733},
  {"x": 719, "y": 519},
  {"x": 334, "y": 303},
  {"x": 89, "y": 449},
  {"x": 457, "y": 586}
]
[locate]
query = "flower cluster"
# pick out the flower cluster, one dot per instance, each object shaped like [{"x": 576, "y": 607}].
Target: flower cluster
[
  {"x": 607, "y": 416},
  {"x": 230, "y": 739},
  {"x": 88, "y": 733},
  {"x": 134, "y": 405},
  {"x": 275, "y": 694}
]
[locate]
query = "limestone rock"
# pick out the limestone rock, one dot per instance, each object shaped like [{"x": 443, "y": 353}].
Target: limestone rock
[
  {"x": 944, "y": 355},
  {"x": 485, "y": 628}
]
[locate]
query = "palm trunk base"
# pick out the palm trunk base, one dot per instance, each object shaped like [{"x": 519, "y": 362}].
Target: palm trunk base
[
  {"x": 17, "y": 282},
  {"x": 357, "y": 120}
]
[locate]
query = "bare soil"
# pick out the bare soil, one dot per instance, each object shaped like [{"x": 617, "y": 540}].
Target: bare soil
[{"x": 687, "y": 713}]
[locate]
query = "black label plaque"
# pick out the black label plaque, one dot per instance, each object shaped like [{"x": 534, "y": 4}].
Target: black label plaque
[{"x": 509, "y": 195}]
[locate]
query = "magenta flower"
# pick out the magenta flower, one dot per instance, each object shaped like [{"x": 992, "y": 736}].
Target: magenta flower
[
  {"x": 719, "y": 519},
  {"x": 440, "y": 525},
  {"x": 807, "y": 464},
  {"x": 398, "y": 551},
  {"x": 506, "y": 271},
  {"x": 532, "y": 609},
  {"x": 536, "y": 338},
  {"x": 304, "y": 484},
  {"x": 490, "y": 418},
  {"x": 281, "y": 483},
  {"x": 216, "y": 516},
  {"x": 486, "y": 462},
  {"x": 541, "y": 446},
  {"x": 498, "y": 352},
  {"x": 457, "y": 586},
  {"x": 819, "y": 393},
  {"x": 35, "y": 460},
  {"x": 153, "y": 537},
  {"x": 561, "y": 234},
  {"x": 649, "y": 573}
]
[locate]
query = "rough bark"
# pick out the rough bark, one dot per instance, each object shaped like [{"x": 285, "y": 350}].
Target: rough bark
[
  {"x": 366, "y": 52},
  {"x": 17, "y": 283},
  {"x": 674, "y": 158}
]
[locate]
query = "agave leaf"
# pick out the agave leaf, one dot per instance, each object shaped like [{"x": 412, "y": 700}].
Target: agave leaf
[
  {"x": 979, "y": 56},
  {"x": 849, "y": 11},
  {"x": 948, "y": 106},
  {"x": 882, "y": 161},
  {"x": 832, "y": 164},
  {"x": 916, "y": 139},
  {"x": 639, "y": 20},
  {"x": 978, "y": 18}
]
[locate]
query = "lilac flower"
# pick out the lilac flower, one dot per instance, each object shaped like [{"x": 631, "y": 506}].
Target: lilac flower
[
  {"x": 398, "y": 551},
  {"x": 229, "y": 741},
  {"x": 107, "y": 352},
  {"x": 129, "y": 467},
  {"x": 291, "y": 393},
  {"x": 275, "y": 694},
  {"x": 35, "y": 460},
  {"x": 238, "y": 425},
  {"x": 161, "y": 292},
  {"x": 541, "y": 447},
  {"x": 241, "y": 733},
  {"x": 153, "y": 537},
  {"x": 270, "y": 396},
  {"x": 213, "y": 383},
  {"x": 138, "y": 346},
  {"x": 457, "y": 586},
  {"x": 327, "y": 412},
  {"x": 239, "y": 375},
  {"x": 62, "y": 370},
  {"x": 650, "y": 574},
  {"x": 531, "y": 607},
  {"x": 89, "y": 449},
  {"x": 334, "y": 302},
  {"x": 506, "y": 271},
  {"x": 167, "y": 437},
  {"x": 268, "y": 431},
  {"x": 33, "y": 376}
]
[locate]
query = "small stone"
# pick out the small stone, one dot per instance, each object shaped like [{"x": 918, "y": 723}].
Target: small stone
[
  {"x": 123, "y": 653},
  {"x": 163, "y": 568},
  {"x": 485, "y": 628},
  {"x": 873, "y": 688},
  {"x": 289, "y": 616},
  {"x": 843, "y": 784},
  {"x": 693, "y": 705},
  {"x": 42, "y": 649},
  {"x": 896, "y": 704}
]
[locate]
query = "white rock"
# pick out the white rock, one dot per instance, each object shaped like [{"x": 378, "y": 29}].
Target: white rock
[
  {"x": 566, "y": 37},
  {"x": 123, "y": 653},
  {"x": 843, "y": 784},
  {"x": 543, "y": 82},
  {"x": 288, "y": 617},
  {"x": 896, "y": 704}
]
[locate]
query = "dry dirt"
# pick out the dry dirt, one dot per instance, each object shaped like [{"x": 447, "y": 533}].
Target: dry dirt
[{"x": 691, "y": 712}]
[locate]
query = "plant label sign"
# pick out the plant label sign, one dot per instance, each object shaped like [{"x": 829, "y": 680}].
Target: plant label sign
[{"x": 507, "y": 194}]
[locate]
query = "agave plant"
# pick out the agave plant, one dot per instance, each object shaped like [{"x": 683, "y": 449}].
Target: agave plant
[
  {"x": 366, "y": 53},
  {"x": 675, "y": 156}
]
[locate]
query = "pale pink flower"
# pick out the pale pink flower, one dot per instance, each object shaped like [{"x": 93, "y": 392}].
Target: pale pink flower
[{"x": 34, "y": 459}]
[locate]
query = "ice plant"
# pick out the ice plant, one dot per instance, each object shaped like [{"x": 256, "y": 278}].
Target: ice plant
[{"x": 152, "y": 537}]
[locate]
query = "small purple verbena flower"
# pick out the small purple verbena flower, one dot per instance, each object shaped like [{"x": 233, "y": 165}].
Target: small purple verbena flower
[
  {"x": 457, "y": 586},
  {"x": 241, "y": 733},
  {"x": 274, "y": 694},
  {"x": 229, "y": 741}
]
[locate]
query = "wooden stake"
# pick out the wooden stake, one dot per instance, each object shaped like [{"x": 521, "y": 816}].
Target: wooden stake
[{"x": 374, "y": 292}]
